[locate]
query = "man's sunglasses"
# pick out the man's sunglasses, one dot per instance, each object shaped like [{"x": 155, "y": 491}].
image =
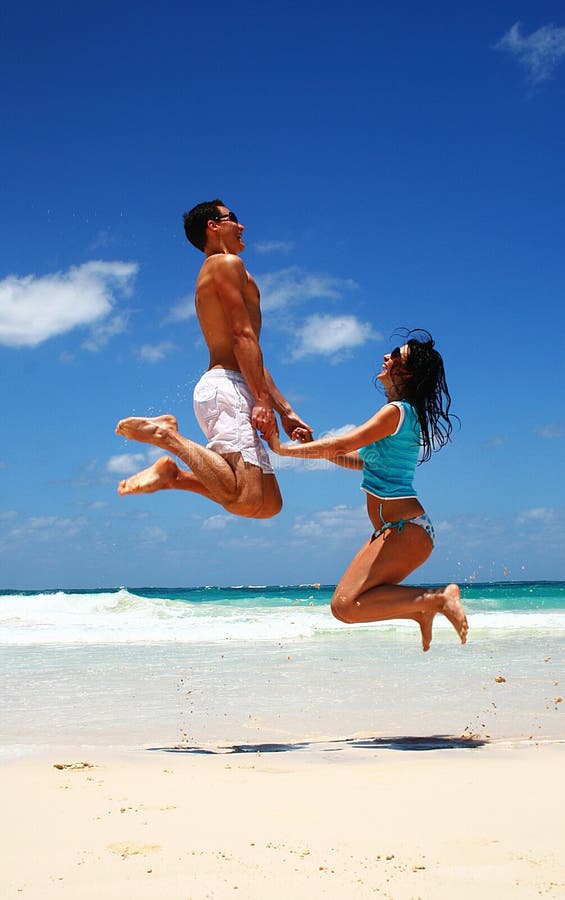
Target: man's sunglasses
[{"x": 231, "y": 216}]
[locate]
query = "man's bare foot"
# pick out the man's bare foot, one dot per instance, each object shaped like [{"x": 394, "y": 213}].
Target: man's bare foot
[
  {"x": 425, "y": 621},
  {"x": 146, "y": 430},
  {"x": 158, "y": 477},
  {"x": 454, "y": 612}
]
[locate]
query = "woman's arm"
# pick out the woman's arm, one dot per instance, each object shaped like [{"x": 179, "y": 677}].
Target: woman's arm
[
  {"x": 348, "y": 460},
  {"x": 379, "y": 426}
]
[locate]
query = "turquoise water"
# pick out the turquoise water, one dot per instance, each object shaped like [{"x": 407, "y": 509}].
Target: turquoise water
[
  {"x": 246, "y": 613},
  {"x": 516, "y": 595}
]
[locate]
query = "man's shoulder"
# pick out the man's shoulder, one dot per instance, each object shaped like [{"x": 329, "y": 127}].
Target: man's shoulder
[
  {"x": 224, "y": 262},
  {"x": 223, "y": 269}
]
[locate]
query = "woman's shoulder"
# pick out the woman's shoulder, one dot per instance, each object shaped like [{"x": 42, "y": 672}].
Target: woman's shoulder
[
  {"x": 401, "y": 404},
  {"x": 408, "y": 418},
  {"x": 405, "y": 407},
  {"x": 402, "y": 409}
]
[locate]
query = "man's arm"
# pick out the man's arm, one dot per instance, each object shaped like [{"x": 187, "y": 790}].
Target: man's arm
[
  {"x": 229, "y": 281},
  {"x": 293, "y": 425}
]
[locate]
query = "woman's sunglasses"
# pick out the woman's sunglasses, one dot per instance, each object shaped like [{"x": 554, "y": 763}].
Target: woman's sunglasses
[{"x": 395, "y": 354}]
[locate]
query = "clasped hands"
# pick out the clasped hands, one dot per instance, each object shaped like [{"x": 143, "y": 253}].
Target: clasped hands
[{"x": 264, "y": 421}]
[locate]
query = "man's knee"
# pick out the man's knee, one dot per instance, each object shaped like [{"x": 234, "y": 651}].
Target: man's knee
[
  {"x": 270, "y": 507},
  {"x": 265, "y": 500},
  {"x": 272, "y": 500},
  {"x": 247, "y": 503},
  {"x": 257, "y": 496},
  {"x": 264, "y": 508}
]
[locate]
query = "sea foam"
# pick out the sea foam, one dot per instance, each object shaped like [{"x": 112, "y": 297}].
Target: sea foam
[{"x": 122, "y": 617}]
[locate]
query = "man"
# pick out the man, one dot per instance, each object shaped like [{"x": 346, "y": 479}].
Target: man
[{"x": 234, "y": 399}]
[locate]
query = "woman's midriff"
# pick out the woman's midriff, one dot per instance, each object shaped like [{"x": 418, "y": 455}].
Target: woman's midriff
[{"x": 392, "y": 510}]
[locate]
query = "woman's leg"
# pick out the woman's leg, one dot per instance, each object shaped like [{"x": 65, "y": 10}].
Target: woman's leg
[{"x": 369, "y": 591}]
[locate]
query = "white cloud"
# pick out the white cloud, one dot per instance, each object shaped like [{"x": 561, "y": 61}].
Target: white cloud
[
  {"x": 339, "y": 523},
  {"x": 508, "y": 542},
  {"x": 152, "y": 454},
  {"x": 154, "y": 535},
  {"x": 543, "y": 514},
  {"x": 443, "y": 526},
  {"x": 47, "y": 528},
  {"x": 216, "y": 523},
  {"x": 102, "y": 332},
  {"x": 539, "y": 52},
  {"x": 326, "y": 335},
  {"x": 293, "y": 285},
  {"x": 248, "y": 543},
  {"x": 125, "y": 463},
  {"x": 265, "y": 247},
  {"x": 155, "y": 352},
  {"x": 496, "y": 441},
  {"x": 182, "y": 310},
  {"x": 34, "y": 309},
  {"x": 551, "y": 431},
  {"x": 128, "y": 463},
  {"x": 104, "y": 239}
]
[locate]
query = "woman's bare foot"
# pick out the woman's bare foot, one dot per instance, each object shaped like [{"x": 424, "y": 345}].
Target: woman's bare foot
[
  {"x": 146, "y": 430},
  {"x": 425, "y": 621},
  {"x": 454, "y": 612},
  {"x": 158, "y": 477}
]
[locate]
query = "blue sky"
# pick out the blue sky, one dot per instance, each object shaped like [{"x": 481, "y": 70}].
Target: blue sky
[{"x": 394, "y": 165}]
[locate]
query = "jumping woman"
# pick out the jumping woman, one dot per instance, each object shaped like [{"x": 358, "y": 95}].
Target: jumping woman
[{"x": 413, "y": 423}]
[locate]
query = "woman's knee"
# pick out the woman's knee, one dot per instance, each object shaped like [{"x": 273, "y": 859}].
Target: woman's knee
[{"x": 343, "y": 606}]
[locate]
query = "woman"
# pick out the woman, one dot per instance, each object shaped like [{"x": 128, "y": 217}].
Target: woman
[{"x": 387, "y": 447}]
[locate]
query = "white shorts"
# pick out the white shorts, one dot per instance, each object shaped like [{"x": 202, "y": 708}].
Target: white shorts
[{"x": 223, "y": 405}]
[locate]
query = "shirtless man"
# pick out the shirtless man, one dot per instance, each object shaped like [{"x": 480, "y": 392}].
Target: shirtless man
[{"x": 234, "y": 399}]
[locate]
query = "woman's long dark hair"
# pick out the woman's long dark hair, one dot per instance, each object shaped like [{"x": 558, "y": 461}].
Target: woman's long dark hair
[{"x": 426, "y": 389}]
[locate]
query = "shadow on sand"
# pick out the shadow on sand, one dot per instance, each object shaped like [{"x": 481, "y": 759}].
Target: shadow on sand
[{"x": 429, "y": 742}]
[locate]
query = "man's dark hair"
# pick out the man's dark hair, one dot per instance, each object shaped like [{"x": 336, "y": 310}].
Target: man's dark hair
[{"x": 197, "y": 219}]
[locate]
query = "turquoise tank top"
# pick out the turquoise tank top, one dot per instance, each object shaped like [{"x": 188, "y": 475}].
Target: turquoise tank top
[{"x": 389, "y": 465}]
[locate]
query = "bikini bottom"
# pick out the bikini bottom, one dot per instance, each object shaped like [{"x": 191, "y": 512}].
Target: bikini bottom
[{"x": 423, "y": 521}]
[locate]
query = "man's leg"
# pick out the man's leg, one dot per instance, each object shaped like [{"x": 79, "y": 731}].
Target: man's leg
[
  {"x": 272, "y": 499},
  {"x": 163, "y": 475},
  {"x": 255, "y": 484},
  {"x": 239, "y": 487}
]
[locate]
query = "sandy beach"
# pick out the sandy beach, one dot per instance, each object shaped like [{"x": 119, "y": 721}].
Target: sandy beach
[
  {"x": 345, "y": 819},
  {"x": 152, "y": 748}
]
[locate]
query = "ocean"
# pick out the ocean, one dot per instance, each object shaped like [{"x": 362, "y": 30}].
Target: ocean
[{"x": 211, "y": 667}]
